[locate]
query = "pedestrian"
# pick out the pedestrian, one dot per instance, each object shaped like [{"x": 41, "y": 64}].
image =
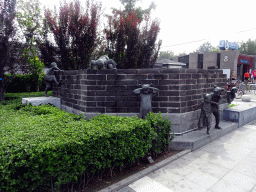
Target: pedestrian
[
  {"x": 233, "y": 77},
  {"x": 246, "y": 76},
  {"x": 254, "y": 75}
]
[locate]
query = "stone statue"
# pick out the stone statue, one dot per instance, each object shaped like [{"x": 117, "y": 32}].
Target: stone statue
[
  {"x": 103, "y": 62},
  {"x": 146, "y": 94},
  {"x": 206, "y": 112},
  {"x": 231, "y": 94},
  {"x": 216, "y": 97},
  {"x": 50, "y": 77}
]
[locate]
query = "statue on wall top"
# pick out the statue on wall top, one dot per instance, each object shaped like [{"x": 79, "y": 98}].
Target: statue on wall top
[
  {"x": 146, "y": 94},
  {"x": 50, "y": 77},
  {"x": 103, "y": 62}
]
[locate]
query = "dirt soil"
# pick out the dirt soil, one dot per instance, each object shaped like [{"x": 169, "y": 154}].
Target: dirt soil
[{"x": 126, "y": 172}]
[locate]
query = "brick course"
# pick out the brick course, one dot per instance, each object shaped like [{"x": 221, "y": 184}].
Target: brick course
[{"x": 111, "y": 91}]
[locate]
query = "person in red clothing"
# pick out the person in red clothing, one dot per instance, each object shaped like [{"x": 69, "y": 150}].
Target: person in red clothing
[
  {"x": 254, "y": 75},
  {"x": 246, "y": 76}
]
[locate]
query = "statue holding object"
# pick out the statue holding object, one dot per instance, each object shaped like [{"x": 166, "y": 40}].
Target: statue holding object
[
  {"x": 50, "y": 77},
  {"x": 216, "y": 97},
  {"x": 206, "y": 112},
  {"x": 146, "y": 93},
  {"x": 231, "y": 94},
  {"x": 103, "y": 62}
]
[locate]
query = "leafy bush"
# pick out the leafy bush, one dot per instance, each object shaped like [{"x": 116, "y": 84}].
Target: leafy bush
[
  {"x": 162, "y": 128},
  {"x": 24, "y": 83},
  {"x": 43, "y": 144}
]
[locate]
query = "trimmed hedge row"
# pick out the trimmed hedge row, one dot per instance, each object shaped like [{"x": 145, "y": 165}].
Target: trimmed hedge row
[
  {"x": 42, "y": 144},
  {"x": 24, "y": 83}
]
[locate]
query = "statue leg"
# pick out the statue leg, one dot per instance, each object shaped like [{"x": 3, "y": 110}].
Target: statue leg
[
  {"x": 217, "y": 118},
  {"x": 201, "y": 121},
  {"x": 208, "y": 119},
  {"x": 48, "y": 86},
  {"x": 55, "y": 81}
]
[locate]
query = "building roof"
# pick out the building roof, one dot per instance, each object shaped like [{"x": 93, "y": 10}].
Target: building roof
[{"x": 170, "y": 62}]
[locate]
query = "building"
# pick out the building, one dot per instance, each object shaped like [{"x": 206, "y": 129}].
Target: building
[
  {"x": 167, "y": 63},
  {"x": 231, "y": 59}
]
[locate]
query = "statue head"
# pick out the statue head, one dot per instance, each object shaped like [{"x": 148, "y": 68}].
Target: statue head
[
  {"x": 146, "y": 88},
  {"x": 207, "y": 98},
  {"x": 53, "y": 64}
]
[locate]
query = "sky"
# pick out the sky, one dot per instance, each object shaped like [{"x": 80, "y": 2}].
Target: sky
[{"x": 187, "y": 24}]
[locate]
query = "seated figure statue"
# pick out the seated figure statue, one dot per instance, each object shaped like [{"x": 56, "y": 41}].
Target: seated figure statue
[
  {"x": 146, "y": 93},
  {"x": 50, "y": 77},
  {"x": 103, "y": 62}
]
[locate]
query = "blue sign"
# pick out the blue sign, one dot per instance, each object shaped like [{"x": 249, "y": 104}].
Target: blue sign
[
  {"x": 243, "y": 61},
  {"x": 227, "y": 45},
  {"x": 1, "y": 79},
  {"x": 222, "y": 45}
]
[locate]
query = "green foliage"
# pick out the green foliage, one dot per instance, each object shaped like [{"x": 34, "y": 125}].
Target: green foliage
[
  {"x": 248, "y": 47},
  {"x": 231, "y": 105},
  {"x": 162, "y": 126},
  {"x": 165, "y": 55},
  {"x": 182, "y": 54},
  {"x": 43, "y": 142},
  {"x": 205, "y": 47},
  {"x": 24, "y": 83},
  {"x": 30, "y": 59}
]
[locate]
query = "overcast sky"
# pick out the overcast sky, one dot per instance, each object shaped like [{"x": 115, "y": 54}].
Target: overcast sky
[{"x": 187, "y": 24}]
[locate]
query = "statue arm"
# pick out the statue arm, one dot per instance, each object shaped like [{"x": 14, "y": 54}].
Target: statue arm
[
  {"x": 137, "y": 91},
  {"x": 197, "y": 106},
  {"x": 155, "y": 90}
]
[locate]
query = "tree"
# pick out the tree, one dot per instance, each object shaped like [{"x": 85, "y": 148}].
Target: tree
[
  {"x": 182, "y": 54},
  {"x": 29, "y": 17},
  {"x": 205, "y": 47},
  {"x": 7, "y": 15},
  {"x": 166, "y": 55},
  {"x": 75, "y": 33},
  {"x": 129, "y": 43},
  {"x": 248, "y": 47}
]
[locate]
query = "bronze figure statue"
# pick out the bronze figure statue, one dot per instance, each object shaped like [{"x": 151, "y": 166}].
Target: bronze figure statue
[
  {"x": 216, "y": 97},
  {"x": 231, "y": 94},
  {"x": 50, "y": 77},
  {"x": 103, "y": 62},
  {"x": 146, "y": 94},
  {"x": 206, "y": 112}
]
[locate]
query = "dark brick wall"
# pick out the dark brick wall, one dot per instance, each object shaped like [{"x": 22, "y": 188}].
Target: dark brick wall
[{"x": 111, "y": 91}]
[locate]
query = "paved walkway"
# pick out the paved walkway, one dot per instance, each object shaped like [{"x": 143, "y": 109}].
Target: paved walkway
[{"x": 225, "y": 165}]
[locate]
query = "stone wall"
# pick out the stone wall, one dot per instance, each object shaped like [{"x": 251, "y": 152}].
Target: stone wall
[
  {"x": 210, "y": 59},
  {"x": 193, "y": 60},
  {"x": 111, "y": 92}
]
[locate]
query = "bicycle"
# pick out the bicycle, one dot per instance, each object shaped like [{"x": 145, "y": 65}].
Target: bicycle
[{"x": 240, "y": 92}]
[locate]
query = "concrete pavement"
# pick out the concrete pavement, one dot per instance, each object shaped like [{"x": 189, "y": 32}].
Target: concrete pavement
[{"x": 226, "y": 164}]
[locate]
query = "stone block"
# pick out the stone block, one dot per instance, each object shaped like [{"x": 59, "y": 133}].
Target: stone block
[
  {"x": 42, "y": 101},
  {"x": 246, "y": 98}
]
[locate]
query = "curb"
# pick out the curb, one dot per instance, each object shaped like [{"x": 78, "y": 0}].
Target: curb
[{"x": 125, "y": 182}]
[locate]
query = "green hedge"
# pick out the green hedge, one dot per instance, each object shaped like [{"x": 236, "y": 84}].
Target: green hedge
[
  {"x": 24, "y": 83},
  {"x": 41, "y": 143}
]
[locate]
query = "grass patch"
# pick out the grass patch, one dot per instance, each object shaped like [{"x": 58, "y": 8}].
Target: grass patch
[{"x": 232, "y": 105}]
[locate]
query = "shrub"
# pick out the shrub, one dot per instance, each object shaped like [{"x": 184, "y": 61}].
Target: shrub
[
  {"x": 162, "y": 128},
  {"x": 24, "y": 83}
]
